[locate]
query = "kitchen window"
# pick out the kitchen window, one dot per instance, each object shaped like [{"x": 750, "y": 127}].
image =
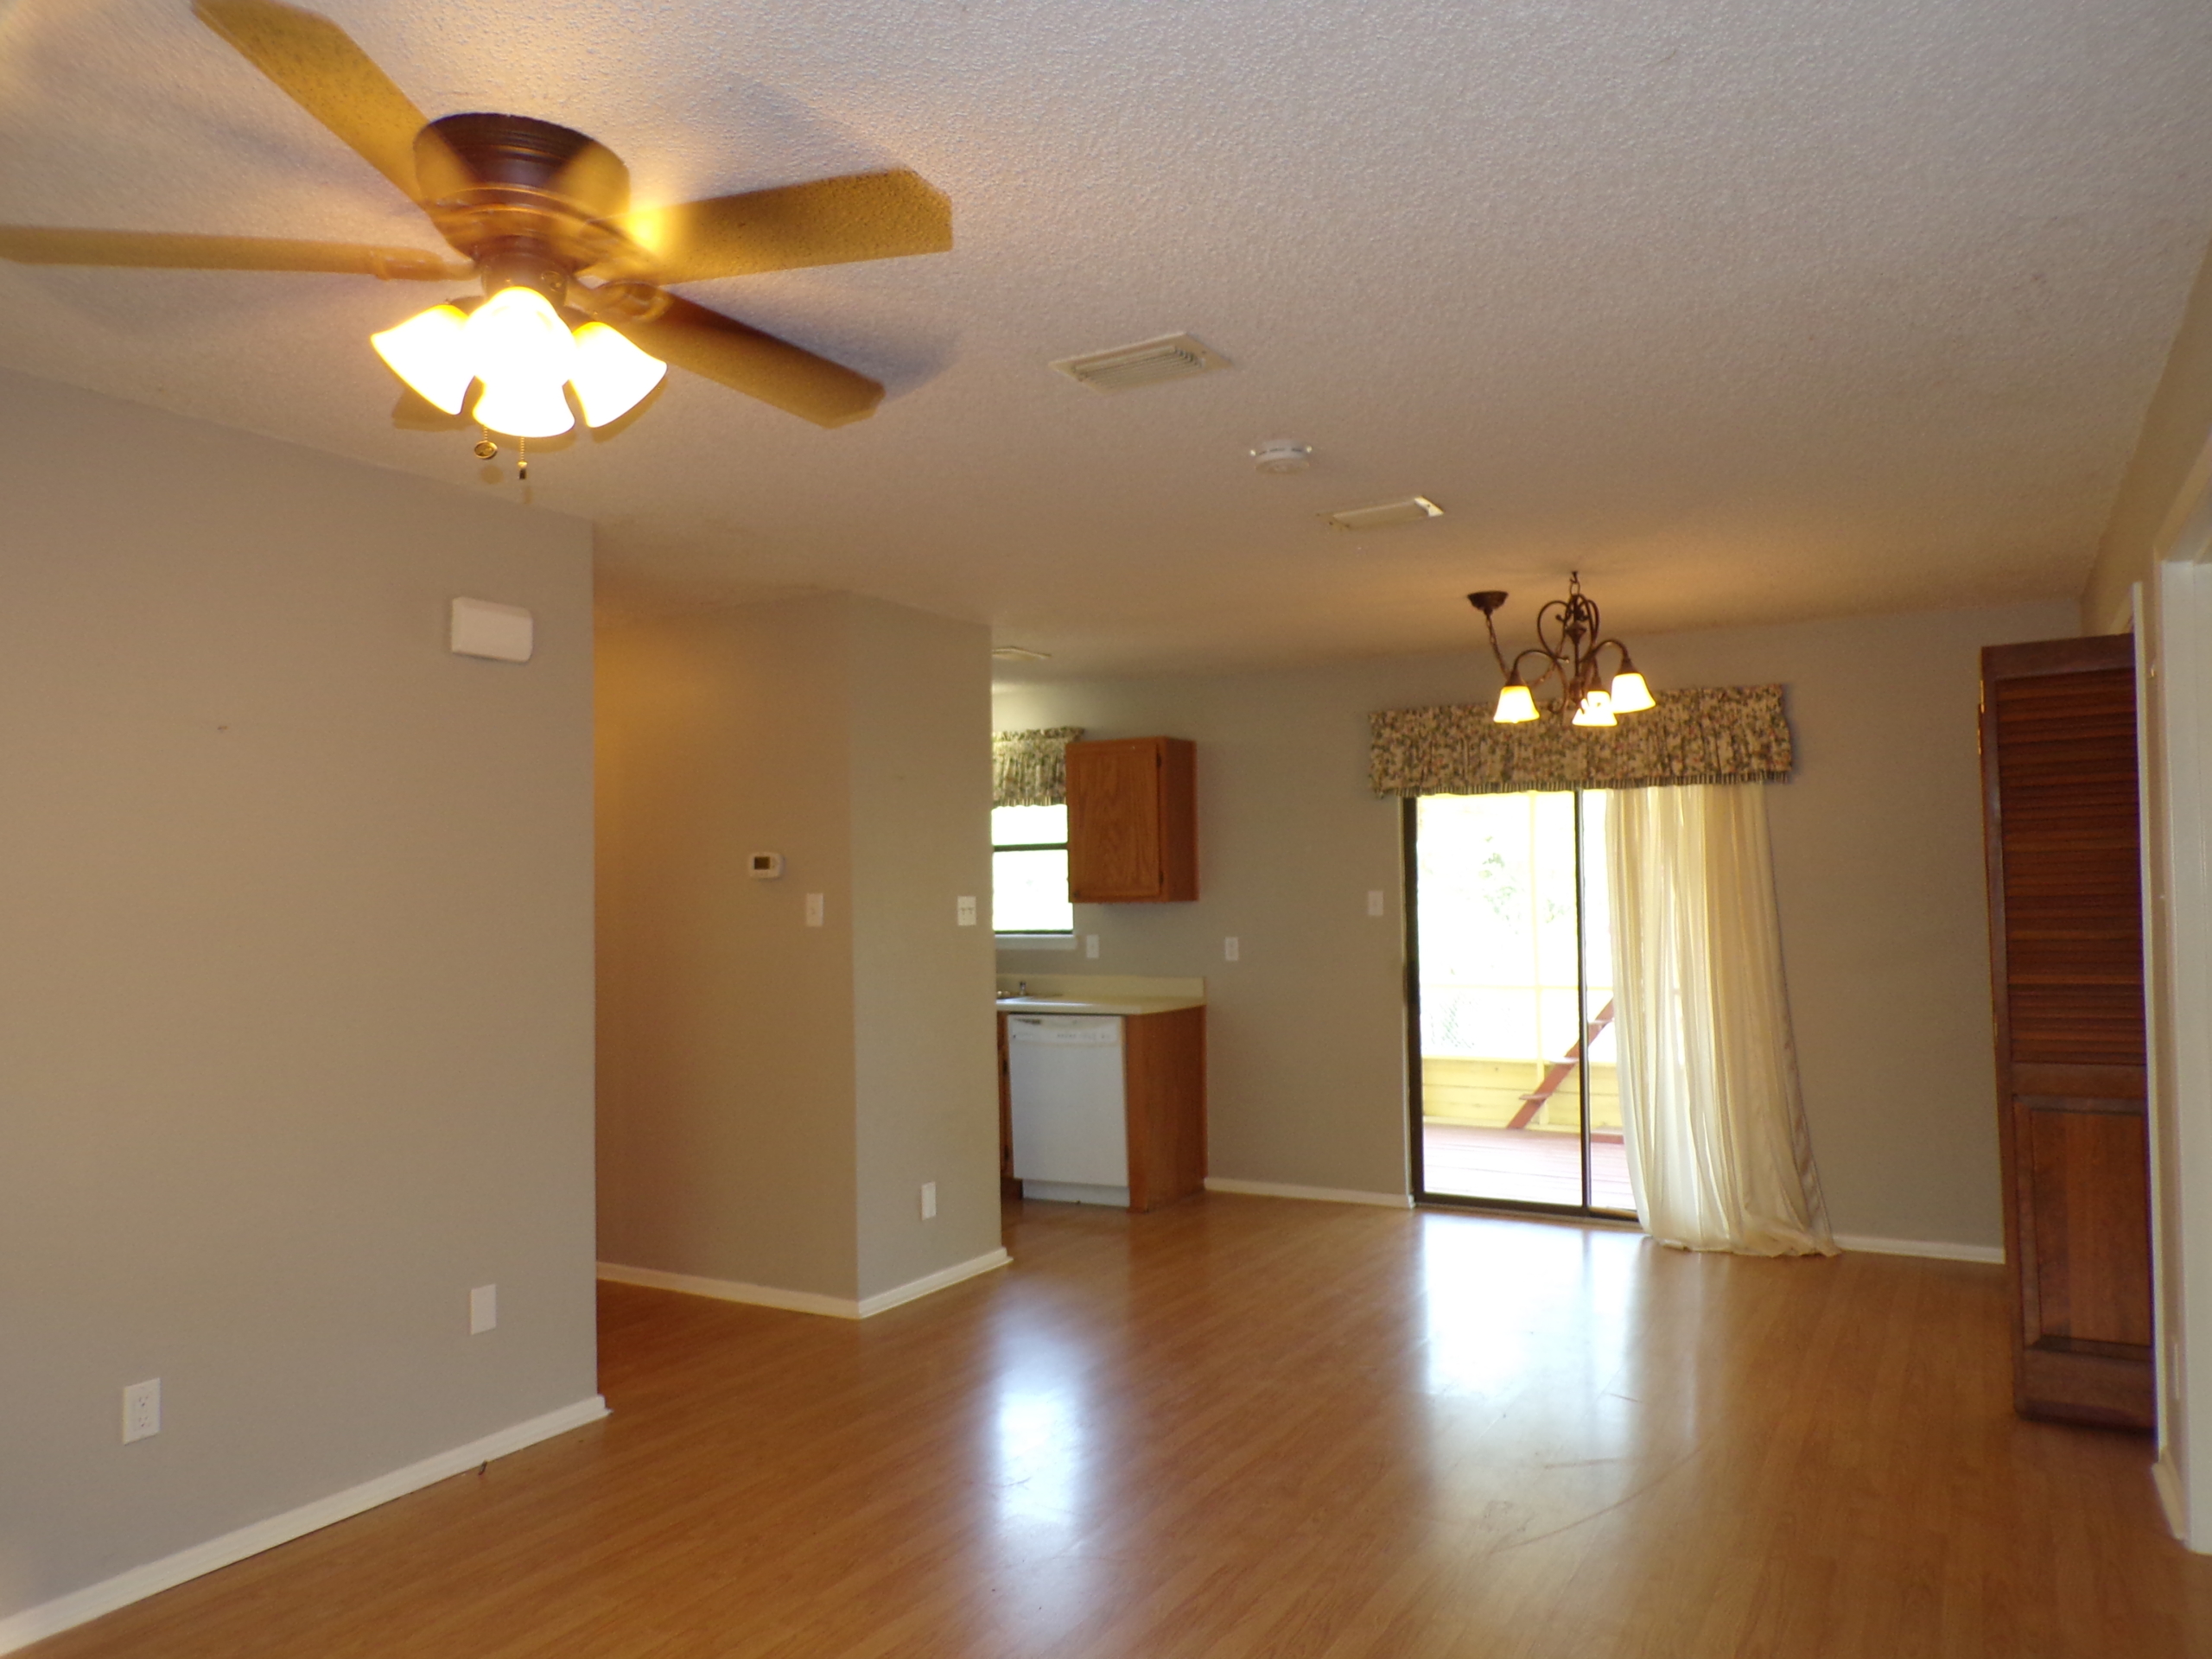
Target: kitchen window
[{"x": 1029, "y": 873}]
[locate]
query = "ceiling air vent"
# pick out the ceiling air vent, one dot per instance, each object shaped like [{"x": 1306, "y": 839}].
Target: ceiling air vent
[
  {"x": 1411, "y": 510},
  {"x": 1176, "y": 357}
]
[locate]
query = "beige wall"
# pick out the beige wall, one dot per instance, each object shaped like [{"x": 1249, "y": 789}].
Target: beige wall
[
  {"x": 294, "y": 978},
  {"x": 772, "y": 1095},
  {"x": 2167, "y": 469},
  {"x": 1877, "y": 851},
  {"x": 925, "y": 1037}
]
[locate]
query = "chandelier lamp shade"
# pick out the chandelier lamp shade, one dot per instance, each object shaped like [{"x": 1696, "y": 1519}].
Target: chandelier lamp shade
[
  {"x": 1569, "y": 650},
  {"x": 526, "y": 359}
]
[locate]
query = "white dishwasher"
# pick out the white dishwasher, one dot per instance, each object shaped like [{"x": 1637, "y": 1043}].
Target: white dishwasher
[{"x": 1070, "y": 1127}]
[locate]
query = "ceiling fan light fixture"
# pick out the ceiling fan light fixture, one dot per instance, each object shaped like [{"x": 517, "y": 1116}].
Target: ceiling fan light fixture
[
  {"x": 516, "y": 336},
  {"x": 426, "y": 351},
  {"x": 524, "y": 407},
  {"x": 610, "y": 375}
]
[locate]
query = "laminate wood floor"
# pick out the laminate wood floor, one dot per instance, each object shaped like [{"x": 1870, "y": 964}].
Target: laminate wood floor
[{"x": 1251, "y": 1426}]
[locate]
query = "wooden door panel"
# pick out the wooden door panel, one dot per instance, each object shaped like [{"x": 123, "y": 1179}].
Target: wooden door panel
[
  {"x": 2066, "y": 968},
  {"x": 2092, "y": 1222}
]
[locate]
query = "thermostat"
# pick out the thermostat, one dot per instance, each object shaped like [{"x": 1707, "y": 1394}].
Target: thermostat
[{"x": 766, "y": 867}]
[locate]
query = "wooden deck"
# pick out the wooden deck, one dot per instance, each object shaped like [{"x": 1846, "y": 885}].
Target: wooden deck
[{"x": 1529, "y": 1166}]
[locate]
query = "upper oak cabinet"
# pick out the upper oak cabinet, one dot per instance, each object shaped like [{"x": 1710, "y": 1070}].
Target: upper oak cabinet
[{"x": 1133, "y": 827}]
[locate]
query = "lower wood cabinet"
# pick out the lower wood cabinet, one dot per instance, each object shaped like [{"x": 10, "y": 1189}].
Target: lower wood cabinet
[{"x": 1164, "y": 1105}]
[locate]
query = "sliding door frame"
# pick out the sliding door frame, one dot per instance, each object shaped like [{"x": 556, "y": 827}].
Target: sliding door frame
[{"x": 1409, "y": 859}]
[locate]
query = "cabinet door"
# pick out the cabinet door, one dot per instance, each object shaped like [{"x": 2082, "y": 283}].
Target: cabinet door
[
  {"x": 2066, "y": 957},
  {"x": 1132, "y": 820},
  {"x": 1114, "y": 850}
]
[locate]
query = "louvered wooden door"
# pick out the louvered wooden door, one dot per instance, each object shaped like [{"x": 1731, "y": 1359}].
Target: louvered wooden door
[{"x": 2063, "y": 835}]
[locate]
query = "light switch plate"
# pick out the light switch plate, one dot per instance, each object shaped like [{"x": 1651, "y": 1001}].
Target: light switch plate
[
  {"x": 1090, "y": 945},
  {"x": 815, "y": 909},
  {"x": 929, "y": 1200},
  {"x": 1374, "y": 901},
  {"x": 964, "y": 909},
  {"x": 483, "y": 1309},
  {"x": 1228, "y": 949},
  {"x": 499, "y": 634}
]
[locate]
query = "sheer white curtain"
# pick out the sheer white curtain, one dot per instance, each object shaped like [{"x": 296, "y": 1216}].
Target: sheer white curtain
[{"x": 1714, "y": 1124}]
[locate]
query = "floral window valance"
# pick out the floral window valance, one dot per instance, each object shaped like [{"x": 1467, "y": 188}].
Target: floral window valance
[
  {"x": 1030, "y": 768},
  {"x": 1712, "y": 735}
]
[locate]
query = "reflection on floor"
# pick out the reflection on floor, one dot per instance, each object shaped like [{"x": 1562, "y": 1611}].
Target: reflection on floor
[
  {"x": 1526, "y": 1165},
  {"x": 1257, "y": 1429}
]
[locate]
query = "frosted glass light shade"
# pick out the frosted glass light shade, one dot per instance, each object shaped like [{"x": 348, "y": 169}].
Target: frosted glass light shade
[
  {"x": 1630, "y": 693},
  {"x": 610, "y": 374},
  {"x": 1596, "y": 708},
  {"x": 515, "y": 335},
  {"x": 1515, "y": 705},
  {"x": 523, "y": 407},
  {"x": 426, "y": 351}
]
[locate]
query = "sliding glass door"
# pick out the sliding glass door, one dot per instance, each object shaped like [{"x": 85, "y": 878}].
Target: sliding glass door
[{"x": 1516, "y": 1099}]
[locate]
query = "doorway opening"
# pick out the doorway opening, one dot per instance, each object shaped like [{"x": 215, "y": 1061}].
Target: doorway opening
[{"x": 1515, "y": 1091}]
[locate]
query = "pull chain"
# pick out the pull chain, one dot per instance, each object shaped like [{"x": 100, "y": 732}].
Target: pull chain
[
  {"x": 486, "y": 448},
  {"x": 522, "y": 460}
]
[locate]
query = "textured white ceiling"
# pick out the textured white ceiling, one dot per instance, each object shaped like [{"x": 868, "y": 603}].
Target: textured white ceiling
[{"x": 1754, "y": 309}]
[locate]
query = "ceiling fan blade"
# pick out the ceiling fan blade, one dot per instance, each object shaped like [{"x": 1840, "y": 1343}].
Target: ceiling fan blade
[
  {"x": 827, "y": 222},
  {"x": 742, "y": 358},
  {"x": 38, "y": 244},
  {"x": 318, "y": 65}
]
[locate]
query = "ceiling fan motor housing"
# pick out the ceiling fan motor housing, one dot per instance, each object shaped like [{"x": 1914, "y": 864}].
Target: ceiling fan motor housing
[{"x": 526, "y": 200}]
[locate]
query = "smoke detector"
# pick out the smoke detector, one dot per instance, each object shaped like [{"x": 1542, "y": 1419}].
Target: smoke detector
[
  {"x": 1411, "y": 510},
  {"x": 1281, "y": 456},
  {"x": 1171, "y": 357}
]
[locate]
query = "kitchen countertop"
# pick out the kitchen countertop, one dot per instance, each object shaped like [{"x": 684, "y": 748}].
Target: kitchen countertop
[{"x": 1121, "y": 1005}]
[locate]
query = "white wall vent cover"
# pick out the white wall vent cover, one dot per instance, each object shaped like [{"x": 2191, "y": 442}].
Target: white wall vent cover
[
  {"x": 1174, "y": 357},
  {"x": 1411, "y": 510},
  {"x": 502, "y": 633}
]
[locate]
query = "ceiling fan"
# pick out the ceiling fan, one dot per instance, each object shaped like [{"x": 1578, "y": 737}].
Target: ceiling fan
[{"x": 573, "y": 278}]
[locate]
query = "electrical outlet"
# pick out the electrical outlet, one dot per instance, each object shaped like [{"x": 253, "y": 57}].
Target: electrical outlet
[
  {"x": 929, "y": 1200},
  {"x": 1228, "y": 949},
  {"x": 964, "y": 909},
  {"x": 142, "y": 1409},
  {"x": 1091, "y": 946},
  {"x": 483, "y": 1309},
  {"x": 814, "y": 909},
  {"x": 1374, "y": 901}
]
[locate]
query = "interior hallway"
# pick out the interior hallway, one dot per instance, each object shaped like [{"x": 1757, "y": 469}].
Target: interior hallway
[{"x": 1252, "y": 1427}]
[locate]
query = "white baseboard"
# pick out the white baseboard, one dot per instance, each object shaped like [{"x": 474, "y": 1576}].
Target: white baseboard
[
  {"x": 63, "y": 1612},
  {"x": 732, "y": 1290},
  {"x": 1323, "y": 1194},
  {"x": 1941, "y": 1250},
  {"x": 802, "y": 1301},
  {"x": 916, "y": 1288},
  {"x": 2167, "y": 1479}
]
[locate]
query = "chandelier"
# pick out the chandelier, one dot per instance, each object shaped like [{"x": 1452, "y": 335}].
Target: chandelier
[{"x": 1567, "y": 647}]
